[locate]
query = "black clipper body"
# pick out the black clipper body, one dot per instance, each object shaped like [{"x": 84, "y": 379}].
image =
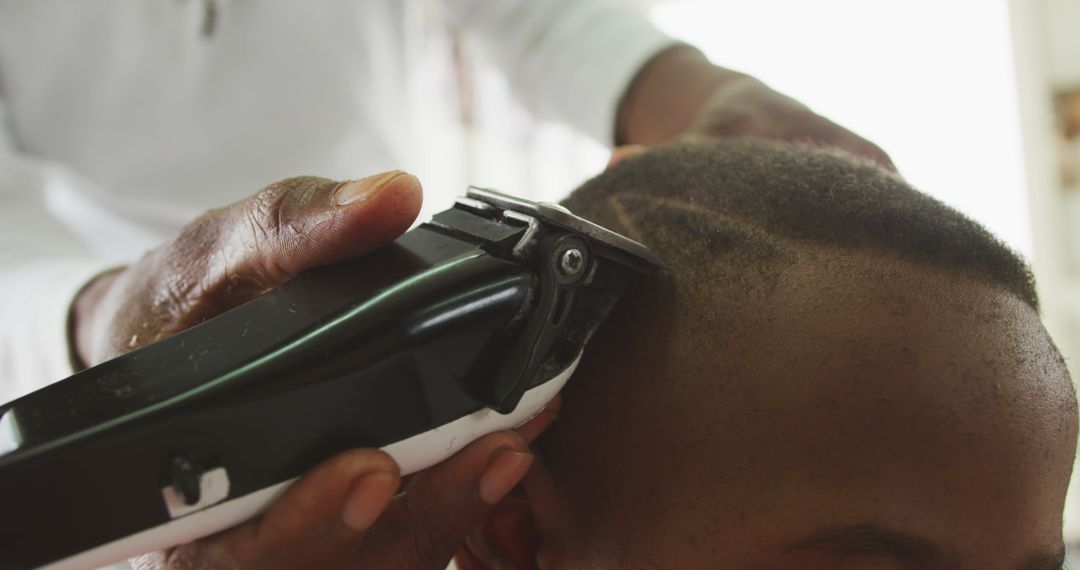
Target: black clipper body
[{"x": 467, "y": 324}]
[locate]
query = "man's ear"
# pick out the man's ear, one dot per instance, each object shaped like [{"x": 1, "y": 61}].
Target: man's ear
[
  {"x": 518, "y": 531},
  {"x": 508, "y": 539}
]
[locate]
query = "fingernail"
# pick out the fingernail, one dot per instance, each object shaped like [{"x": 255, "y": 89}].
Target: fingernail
[
  {"x": 361, "y": 190},
  {"x": 625, "y": 151},
  {"x": 367, "y": 498},
  {"x": 503, "y": 472}
]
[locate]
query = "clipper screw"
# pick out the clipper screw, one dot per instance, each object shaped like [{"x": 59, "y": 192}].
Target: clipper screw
[{"x": 571, "y": 262}]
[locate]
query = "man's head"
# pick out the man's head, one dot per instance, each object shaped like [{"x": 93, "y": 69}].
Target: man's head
[{"x": 838, "y": 372}]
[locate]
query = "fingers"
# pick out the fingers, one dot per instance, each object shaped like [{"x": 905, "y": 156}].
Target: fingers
[
  {"x": 300, "y": 223},
  {"x": 532, "y": 429},
  {"x": 529, "y": 431},
  {"x": 873, "y": 152},
  {"x": 426, "y": 526},
  {"x": 821, "y": 131},
  {"x": 305, "y": 222},
  {"x": 343, "y": 514},
  {"x": 342, "y": 497},
  {"x": 234, "y": 254},
  {"x": 320, "y": 521},
  {"x": 748, "y": 108},
  {"x": 624, "y": 152}
]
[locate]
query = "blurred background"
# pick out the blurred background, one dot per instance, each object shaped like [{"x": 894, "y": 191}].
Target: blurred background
[{"x": 977, "y": 102}]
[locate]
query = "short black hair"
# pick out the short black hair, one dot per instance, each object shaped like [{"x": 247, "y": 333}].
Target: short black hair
[{"x": 751, "y": 204}]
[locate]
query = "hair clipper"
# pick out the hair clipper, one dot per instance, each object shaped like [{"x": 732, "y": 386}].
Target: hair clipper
[{"x": 466, "y": 325}]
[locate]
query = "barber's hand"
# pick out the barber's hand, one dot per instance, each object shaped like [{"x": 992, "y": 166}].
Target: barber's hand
[
  {"x": 233, "y": 254},
  {"x": 344, "y": 514},
  {"x": 744, "y": 106}
]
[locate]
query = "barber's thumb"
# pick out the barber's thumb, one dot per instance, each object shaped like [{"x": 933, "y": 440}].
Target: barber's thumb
[{"x": 305, "y": 222}]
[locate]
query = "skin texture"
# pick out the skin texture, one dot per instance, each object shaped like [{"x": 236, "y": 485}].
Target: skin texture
[
  {"x": 912, "y": 402},
  {"x": 233, "y": 254}
]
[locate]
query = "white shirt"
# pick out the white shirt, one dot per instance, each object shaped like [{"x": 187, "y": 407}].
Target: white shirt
[{"x": 122, "y": 120}]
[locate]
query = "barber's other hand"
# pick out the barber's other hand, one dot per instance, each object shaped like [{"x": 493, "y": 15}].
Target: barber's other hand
[
  {"x": 744, "y": 106},
  {"x": 680, "y": 92},
  {"x": 233, "y": 254}
]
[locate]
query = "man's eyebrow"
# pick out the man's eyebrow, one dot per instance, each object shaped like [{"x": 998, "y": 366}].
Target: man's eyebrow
[
  {"x": 868, "y": 539},
  {"x": 872, "y": 539},
  {"x": 1052, "y": 561}
]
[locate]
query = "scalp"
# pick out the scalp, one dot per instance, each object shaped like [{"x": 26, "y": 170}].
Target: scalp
[
  {"x": 818, "y": 313},
  {"x": 704, "y": 206}
]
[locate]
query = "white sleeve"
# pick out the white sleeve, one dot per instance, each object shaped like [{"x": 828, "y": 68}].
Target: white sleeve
[
  {"x": 568, "y": 60},
  {"x": 42, "y": 266}
]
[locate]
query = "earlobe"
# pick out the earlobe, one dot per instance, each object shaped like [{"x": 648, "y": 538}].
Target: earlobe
[
  {"x": 507, "y": 539},
  {"x": 519, "y": 531}
]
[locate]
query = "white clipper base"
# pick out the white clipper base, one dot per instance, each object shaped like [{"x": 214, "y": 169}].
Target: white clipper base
[{"x": 413, "y": 454}]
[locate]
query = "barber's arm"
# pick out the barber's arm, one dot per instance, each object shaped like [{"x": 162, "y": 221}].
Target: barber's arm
[{"x": 602, "y": 67}]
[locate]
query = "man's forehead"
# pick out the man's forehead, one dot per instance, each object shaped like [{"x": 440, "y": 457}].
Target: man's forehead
[
  {"x": 852, "y": 328},
  {"x": 870, "y": 360}
]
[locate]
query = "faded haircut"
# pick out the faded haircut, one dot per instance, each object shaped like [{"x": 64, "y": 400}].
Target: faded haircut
[{"x": 734, "y": 210}]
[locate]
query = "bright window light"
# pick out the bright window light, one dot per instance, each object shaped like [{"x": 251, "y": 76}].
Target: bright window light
[{"x": 931, "y": 82}]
